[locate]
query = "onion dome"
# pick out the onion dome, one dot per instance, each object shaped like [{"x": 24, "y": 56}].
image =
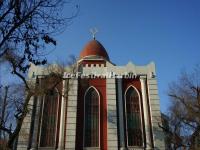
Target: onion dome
[{"x": 94, "y": 49}]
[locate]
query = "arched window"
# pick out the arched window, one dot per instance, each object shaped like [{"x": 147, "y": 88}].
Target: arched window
[
  {"x": 91, "y": 118},
  {"x": 49, "y": 119},
  {"x": 133, "y": 118}
]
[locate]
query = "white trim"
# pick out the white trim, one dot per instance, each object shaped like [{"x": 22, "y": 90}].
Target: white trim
[
  {"x": 62, "y": 118},
  {"x": 141, "y": 121},
  {"x": 57, "y": 92},
  {"x": 88, "y": 58},
  {"x": 146, "y": 113},
  {"x": 84, "y": 118},
  {"x": 40, "y": 128}
]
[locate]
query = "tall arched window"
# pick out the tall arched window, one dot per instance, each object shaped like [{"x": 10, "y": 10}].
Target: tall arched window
[
  {"x": 133, "y": 118},
  {"x": 49, "y": 119},
  {"x": 91, "y": 118}
]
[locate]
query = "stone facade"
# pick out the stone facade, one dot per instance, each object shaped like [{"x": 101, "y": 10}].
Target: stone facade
[{"x": 113, "y": 128}]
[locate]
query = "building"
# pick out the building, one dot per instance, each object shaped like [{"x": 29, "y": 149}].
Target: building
[
  {"x": 107, "y": 107},
  {"x": 167, "y": 135},
  {"x": 195, "y": 140}
]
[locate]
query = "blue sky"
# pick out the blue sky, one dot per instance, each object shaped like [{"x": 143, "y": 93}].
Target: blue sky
[{"x": 164, "y": 31}]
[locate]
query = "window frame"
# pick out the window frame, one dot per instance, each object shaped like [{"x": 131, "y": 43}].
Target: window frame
[
  {"x": 85, "y": 148},
  {"x": 40, "y": 127},
  {"x": 141, "y": 117}
]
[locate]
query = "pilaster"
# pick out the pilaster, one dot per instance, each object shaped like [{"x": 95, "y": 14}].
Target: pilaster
[
  {"x": 24, "y": 134},
  {"x": 120, "y": 114},
  {"x": 112, "y": 114},
  {"x": 154, "y": 102},
  {"x": 146, "y": 113},
  {"x": 62, "y": 118},
  {"x": 36, "y": 123},
  {"x": 71, "y": 115}
]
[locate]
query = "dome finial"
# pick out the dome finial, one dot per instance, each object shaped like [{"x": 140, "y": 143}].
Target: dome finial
[
  {"x": 94, "y": 49},
  {"x": 93, "y": 31}
]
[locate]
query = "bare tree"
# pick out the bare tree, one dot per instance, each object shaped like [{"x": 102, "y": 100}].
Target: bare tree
[
  {"x": 3, "y": 105},
  {"x": 184, "y": 112},
  {"x": 27, "y": 26},
  {"x": 11, "y": 99},
  {"x": 20, "y": 102}
]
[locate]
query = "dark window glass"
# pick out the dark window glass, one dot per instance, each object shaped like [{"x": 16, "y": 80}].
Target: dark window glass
[
  {"x": 133, "y": 118},
  {"x": 91, "y": 128},
  {"x": 49, "y": 119}
]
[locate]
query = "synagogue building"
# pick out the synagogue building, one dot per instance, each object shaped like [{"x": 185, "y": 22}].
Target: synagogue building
[{"x": 107, "y": 107}]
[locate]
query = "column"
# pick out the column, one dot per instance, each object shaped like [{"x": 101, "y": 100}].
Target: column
[
  {"x": 154, "y": 103},
  {"x": 62, "y": 119},
  {"x": 36, "y": 123},
  {"x": 70, "y": 142},
  {"x": 146, "y": 113},
  {"x": 112, "y": 114},
  {"x": 120, "y": 114},
  {"x": 24, "y": 134}
]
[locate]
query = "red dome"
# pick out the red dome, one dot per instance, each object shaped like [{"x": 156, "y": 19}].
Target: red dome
[{"x": 94, "y": 48}]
